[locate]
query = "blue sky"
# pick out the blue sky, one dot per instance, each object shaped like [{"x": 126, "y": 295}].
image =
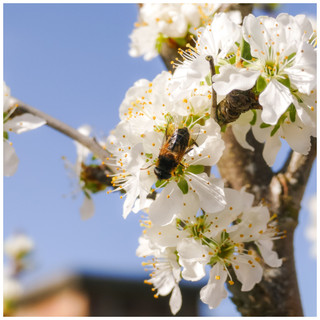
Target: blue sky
[{"x": 71, "y": 61}]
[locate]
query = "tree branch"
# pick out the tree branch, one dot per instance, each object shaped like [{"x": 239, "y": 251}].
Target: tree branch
[
  {"x": 295, "y": 175},
  {"x": 58, "y": 125}
]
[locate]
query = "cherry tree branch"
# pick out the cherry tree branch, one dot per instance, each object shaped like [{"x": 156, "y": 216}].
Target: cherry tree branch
[{"x": 58, "y": 125}]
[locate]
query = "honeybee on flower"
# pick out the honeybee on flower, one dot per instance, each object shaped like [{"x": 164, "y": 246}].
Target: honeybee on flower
[{"x": 151, "y": 114}]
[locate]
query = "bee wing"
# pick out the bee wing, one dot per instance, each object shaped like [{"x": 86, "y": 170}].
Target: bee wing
[{"x": 178, "y": 143}]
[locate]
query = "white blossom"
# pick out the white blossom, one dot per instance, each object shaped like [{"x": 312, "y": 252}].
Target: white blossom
[
  {"x": 165, "y": 272},
  {"x": 218, "y": 39},
  {"x": 87, "y": 208},
  {"x": 169, "y": 22},
  {"x": 18, "y": 245},
  {"x": 218, "y": 240},
  {"x": 296, "y": 133},
  {"x": 283, "y": 63},
  {"x": 16, "y": 124},
  {"x": 12, "y": 288}
]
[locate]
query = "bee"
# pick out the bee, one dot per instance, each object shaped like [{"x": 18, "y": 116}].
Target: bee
[{"x": 172, "y": 151}]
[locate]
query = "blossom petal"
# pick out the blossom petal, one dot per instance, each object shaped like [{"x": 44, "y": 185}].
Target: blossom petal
[
  {"x": 193, "y": 257},
  {"x": 210, "y": 145},
  {"x": 82, "y": 151},
  {"x": 307, "y": 111},
  {"x": 175, "y": 302},
  {"x": 275, "y": 99},
  {"x": 143, "y": 42},
  {"x": 167, "y": 205},
  {"x": 247, "y": 271},
  {"x": 165, "y": 236},
  {"x": 271, "y": 149},
  {"x": 292, "y": 131},
  {"x": 240, "y": 133},
  {"x": 132, "y": 191},
  {"x": 304, "y": 71},
  {"x": 87, "y": 208},
  {"x": 145, "y": 248},
  {"x": 23, "y": 123},
  {"x": 191, "y": 205},
  {"x": 10, "y": 159},
  {"x": 239, "y": 200},
  {"x": 269, "y": 256},
  {"x": 231, "y": 78},
  {"x": 210, "y": 191},
  {"x": 214, "y": 292}
]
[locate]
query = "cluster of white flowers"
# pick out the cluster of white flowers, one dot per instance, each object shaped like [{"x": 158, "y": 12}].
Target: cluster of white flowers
[
  {"x": 17, "y": 246},
  {"x": 170, "y": 22},
  {"x": 273, "y": 57},
  {"x": 283, "y": 70},
  {"x": 159, "y": 151},
  {"x": 164, "y": 142},
  {"x": 167, "y": 139},
  {"x": 17, "y": 124},
  {"x": 184, "y": 247}
]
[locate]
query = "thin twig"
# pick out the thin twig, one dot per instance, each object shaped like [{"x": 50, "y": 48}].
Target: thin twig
[
  {"x": 74, "y": 134},
  {"x": 214, "y": 94}
]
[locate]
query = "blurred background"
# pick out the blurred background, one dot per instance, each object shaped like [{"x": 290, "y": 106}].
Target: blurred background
[{"x": 71, "y": 61}]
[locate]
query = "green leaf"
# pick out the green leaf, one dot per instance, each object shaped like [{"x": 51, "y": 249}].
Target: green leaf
[
  {"x": 254, "y": 119},
  {"x": 245, "y": 50},
  {"x": 208, "y": 79},
  {"x": 161, "y": 183},
  {"x": 285, "y": 82},
  {"x": 86, "y": 194},
  {"x": 261, "y": 84},
  {"x": 5, "y": 135},
  {"x": 183, "y": 185},
  {"x": 232, "y": 60},
  {"x": 275, "y": 129},
  {"x": 160, "y": 40},
  {"x": 292, "y": 112},
  {"x": 196, "y": 169},
  {"x": 180, "y": 41},
  {"x": 264, "y": 125}
]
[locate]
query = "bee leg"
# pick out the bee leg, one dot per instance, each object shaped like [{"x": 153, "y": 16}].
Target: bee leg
[
  {"x": 152, "y": 164},
  {"x": 193, "y": 142},
  {"x": 187, "y": 151}
]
